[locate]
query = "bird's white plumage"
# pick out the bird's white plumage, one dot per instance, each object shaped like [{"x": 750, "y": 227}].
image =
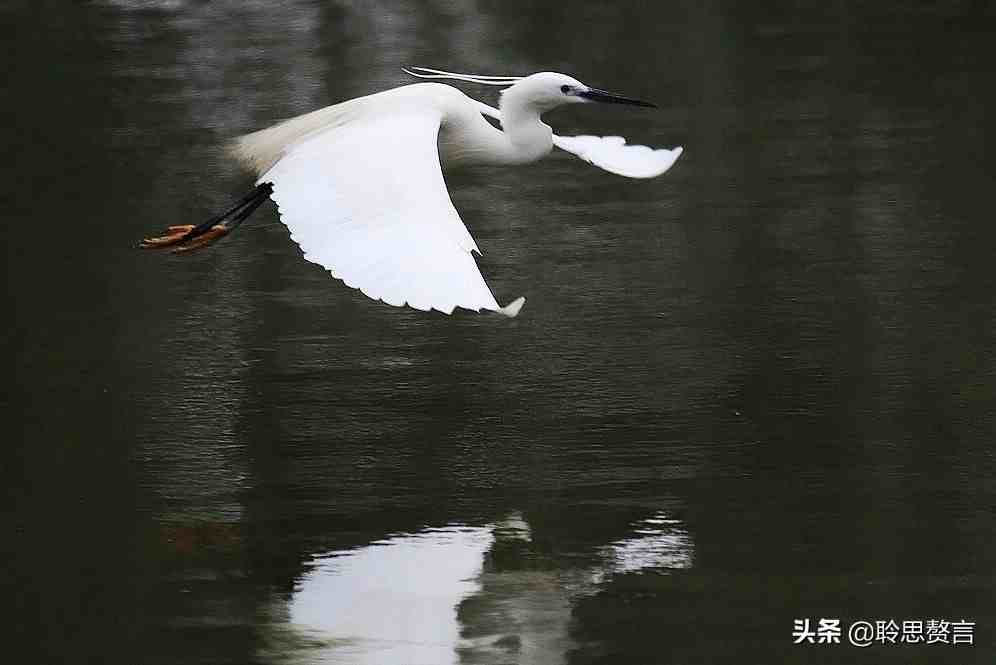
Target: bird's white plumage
[
  {"x": 360, "y": 185},
  {"x": 368, "y": 202},
  {"x": 613, "y": 154}
]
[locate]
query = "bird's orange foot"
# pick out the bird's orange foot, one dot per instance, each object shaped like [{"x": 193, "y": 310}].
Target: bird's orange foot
[
  {"x": 215, "y": 233},
  {"x": 187, "y": 237},
  {"x": 180, "y": 240},
  {"x": 174, "y": 234}
]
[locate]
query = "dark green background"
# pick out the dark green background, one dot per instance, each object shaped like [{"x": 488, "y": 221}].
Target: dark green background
[{"x": 786, "y": 343}]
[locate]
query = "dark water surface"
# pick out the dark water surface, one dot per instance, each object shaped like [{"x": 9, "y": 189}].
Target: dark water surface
[{"x": 757, "y": 389}]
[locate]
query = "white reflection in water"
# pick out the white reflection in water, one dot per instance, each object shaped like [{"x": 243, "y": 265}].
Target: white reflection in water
[
  {"x": 401, "y": 599},
  {"x": 394, "y": 601},
  {"x": 658, "y": 542}
]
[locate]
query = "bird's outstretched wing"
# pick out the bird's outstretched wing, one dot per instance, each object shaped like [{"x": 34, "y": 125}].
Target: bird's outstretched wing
[
  {"x": 613, "y": 154},
  {"x": 368, "y": 202}
]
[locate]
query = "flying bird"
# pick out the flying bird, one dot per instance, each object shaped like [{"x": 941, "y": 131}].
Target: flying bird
[{"x": 360, "y": 183}]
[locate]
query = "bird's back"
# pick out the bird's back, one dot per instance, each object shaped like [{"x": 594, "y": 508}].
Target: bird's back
[{"x": 260, "y": 150}]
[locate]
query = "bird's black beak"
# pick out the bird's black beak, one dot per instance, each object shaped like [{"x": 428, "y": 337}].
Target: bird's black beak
[{"x": 604, "y": 97}]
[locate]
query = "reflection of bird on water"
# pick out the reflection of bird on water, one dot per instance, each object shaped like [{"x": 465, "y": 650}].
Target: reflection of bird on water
[
  {"x": 360, "y": 183},
  {"x": 460, "y": 593}
]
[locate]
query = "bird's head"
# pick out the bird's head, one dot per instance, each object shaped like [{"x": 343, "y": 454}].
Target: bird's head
[
  {"x": 542, "y": 91},
  {"x": 548, "y": 90}
]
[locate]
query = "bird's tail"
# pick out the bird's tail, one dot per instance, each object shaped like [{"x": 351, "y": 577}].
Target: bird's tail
[
  {"x": 187, "y": 237},
  {"x": 261, "y": 150}
]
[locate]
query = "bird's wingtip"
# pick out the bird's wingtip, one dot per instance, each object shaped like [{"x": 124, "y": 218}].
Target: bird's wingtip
[{"x": 511, "y": 310}]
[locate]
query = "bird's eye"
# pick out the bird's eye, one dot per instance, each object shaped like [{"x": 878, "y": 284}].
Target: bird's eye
[{"x": 565, "y": 89}]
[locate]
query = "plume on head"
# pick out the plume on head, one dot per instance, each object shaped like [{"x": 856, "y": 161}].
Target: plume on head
[{"x": 427, "y": 73}]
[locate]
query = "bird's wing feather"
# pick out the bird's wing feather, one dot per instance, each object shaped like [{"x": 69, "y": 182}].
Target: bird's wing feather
[
  {"x": 613, "y": 154},
  {"x": 368, "y": 202}
]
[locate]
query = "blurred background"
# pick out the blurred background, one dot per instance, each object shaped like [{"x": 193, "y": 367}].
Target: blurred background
[{"x": 759, "y": 388}]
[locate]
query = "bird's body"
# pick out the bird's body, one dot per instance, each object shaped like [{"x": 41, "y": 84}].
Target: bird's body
[
  {"x": 465, "y": 137},
  {"x": 359, "y": 184}
]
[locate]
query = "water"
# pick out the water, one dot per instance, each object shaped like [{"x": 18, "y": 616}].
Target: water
[{"x": 757, "y": 389}]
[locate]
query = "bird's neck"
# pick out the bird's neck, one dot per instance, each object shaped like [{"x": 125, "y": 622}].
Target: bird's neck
[{"x": 528, "y": 137}]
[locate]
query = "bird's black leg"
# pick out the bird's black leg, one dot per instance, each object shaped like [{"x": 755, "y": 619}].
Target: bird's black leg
[{"x": 187, "y": 237}]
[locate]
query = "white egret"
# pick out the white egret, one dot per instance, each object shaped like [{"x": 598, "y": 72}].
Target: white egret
[{"x": 360, "y": 184}]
